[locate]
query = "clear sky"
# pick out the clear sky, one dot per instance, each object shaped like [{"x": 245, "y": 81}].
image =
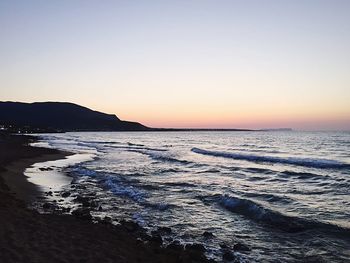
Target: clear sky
[{"x": 244, "y": 64}]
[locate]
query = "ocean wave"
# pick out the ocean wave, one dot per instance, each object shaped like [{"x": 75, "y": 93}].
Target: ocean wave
[
  {"x": 306, "y": 162},
  {"x": 211, "y": 170},
  {"x": 301, "y": 175},
  {"x": 102, "y": 142},
  {"x": 138, "y": 148},
  {"x": 135, "y": 144},
  {"x": 89, "y": 145},
  {"x": 256, "y": 150},
  {"x": 81, "y": 171},
  {"x": 160, "y": 206},
  {"x": 112, "y": 182},
  {"x": 129, "y": 191},
  {"x": 180, "y": 184},
  {"x": 258, "y": 170},
  {"x": 259, "y": 213},
  {"x": 271, "y": 198},
  {"x": 160, "y": 157},
  {"x": 256, "y": 178},
  {"x": 168, "y": 170},
  {"x": 266, "y": 216},
  {"x": 120, "y": 186}
]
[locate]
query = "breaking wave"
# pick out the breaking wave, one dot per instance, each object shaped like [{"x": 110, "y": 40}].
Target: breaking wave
[
  {"x": 160, "y": 157},
  {"x": 112, "y": 182},
  {"x": 261, "y": 214},
  {"x": 307, "y": 162},
  {"x": 120, "y": 186}
]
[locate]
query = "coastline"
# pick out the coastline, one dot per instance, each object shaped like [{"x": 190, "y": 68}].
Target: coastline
[
  {"x": 15, "y": 179},
  {"x": 32, "y": 237},
  {"x": 16, "y": 155}
]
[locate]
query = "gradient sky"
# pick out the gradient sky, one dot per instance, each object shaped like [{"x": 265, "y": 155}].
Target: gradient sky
[{"x": 244, "y": 64}]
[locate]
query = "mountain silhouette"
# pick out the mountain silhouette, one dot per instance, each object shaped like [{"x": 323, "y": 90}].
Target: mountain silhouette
[{"x": 62, "y": 116}]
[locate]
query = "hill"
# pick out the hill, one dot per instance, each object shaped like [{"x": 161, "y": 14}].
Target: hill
[{"x": 61, "y": 116}]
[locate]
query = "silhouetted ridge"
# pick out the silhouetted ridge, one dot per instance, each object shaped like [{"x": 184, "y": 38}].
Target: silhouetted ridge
[{"x": 62, "y": 116}]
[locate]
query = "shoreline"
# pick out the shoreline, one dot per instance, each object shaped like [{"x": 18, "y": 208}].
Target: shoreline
[
  {"x": 32, "y": 237},
  {"x": 15, "y": 179}
]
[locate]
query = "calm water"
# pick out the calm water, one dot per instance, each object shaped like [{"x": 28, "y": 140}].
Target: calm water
[{"x": 286, "y": 195}]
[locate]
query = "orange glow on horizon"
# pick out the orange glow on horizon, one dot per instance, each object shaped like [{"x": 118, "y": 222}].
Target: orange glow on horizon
[{"x": 242, "y": 120}]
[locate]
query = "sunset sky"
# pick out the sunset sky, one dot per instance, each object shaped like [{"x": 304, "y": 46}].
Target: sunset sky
[{"x": 223, "y": 64}]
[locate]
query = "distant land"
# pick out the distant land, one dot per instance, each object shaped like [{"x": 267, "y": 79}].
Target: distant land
[
  {"x": 61, "y": 117},
  {"x": 41, "y": 117}
]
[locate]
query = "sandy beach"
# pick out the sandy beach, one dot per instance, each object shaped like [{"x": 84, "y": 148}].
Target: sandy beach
[{"x": 27, "y": 236}]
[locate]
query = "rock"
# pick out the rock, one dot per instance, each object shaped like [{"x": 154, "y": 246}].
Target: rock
[
  {"x": 175, "y": 245},
  {"x": 82, "y": 213},
  {"x": 107, "y": 219},
  {"x": 65, "y": 194},
  {"x": 156, "y": 239},
  {"x": 80, "y": 198},
  {"x": 195, "y": 247},
  {"x": 94, "y": 204},
  {"x": 228, "y": 255},
  {"x": 49, "y": 193},
  {"x": 196, "y": 252},
  {"x": 168, "y": 239},
  {"x": 208, "y": 234},
  {"x": 161, "y": 231},
  {"x": 164, "y": 229},
  {"x": 85, "y": 201},
  {"x": 45, "y": 169},
  {"x": 49, "y": 206},
  {"x": 241, "y": 247},
  {"x": 66, "y": 209},
  {"x": 129, "y": 225}
]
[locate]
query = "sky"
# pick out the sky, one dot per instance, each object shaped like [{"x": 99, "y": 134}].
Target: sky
[{"x": 198, "y": 64}]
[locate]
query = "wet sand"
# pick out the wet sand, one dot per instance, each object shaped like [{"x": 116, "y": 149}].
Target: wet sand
[{"x": 27, "y": 236}]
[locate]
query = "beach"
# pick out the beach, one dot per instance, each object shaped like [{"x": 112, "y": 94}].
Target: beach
[
  {"x": 27, "y": 236},
  {"x": 238, "y": 195},
  {"x": 174, "y": 197}
]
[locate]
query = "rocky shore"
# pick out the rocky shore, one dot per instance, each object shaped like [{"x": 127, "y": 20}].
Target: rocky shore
[{"x": 28, "y": 236}]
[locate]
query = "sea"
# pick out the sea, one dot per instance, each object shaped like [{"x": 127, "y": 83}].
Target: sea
[{"x": 267, "y": 196}]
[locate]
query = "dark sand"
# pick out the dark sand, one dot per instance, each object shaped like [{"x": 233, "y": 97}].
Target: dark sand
[{"x": 27, "y": 236}]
